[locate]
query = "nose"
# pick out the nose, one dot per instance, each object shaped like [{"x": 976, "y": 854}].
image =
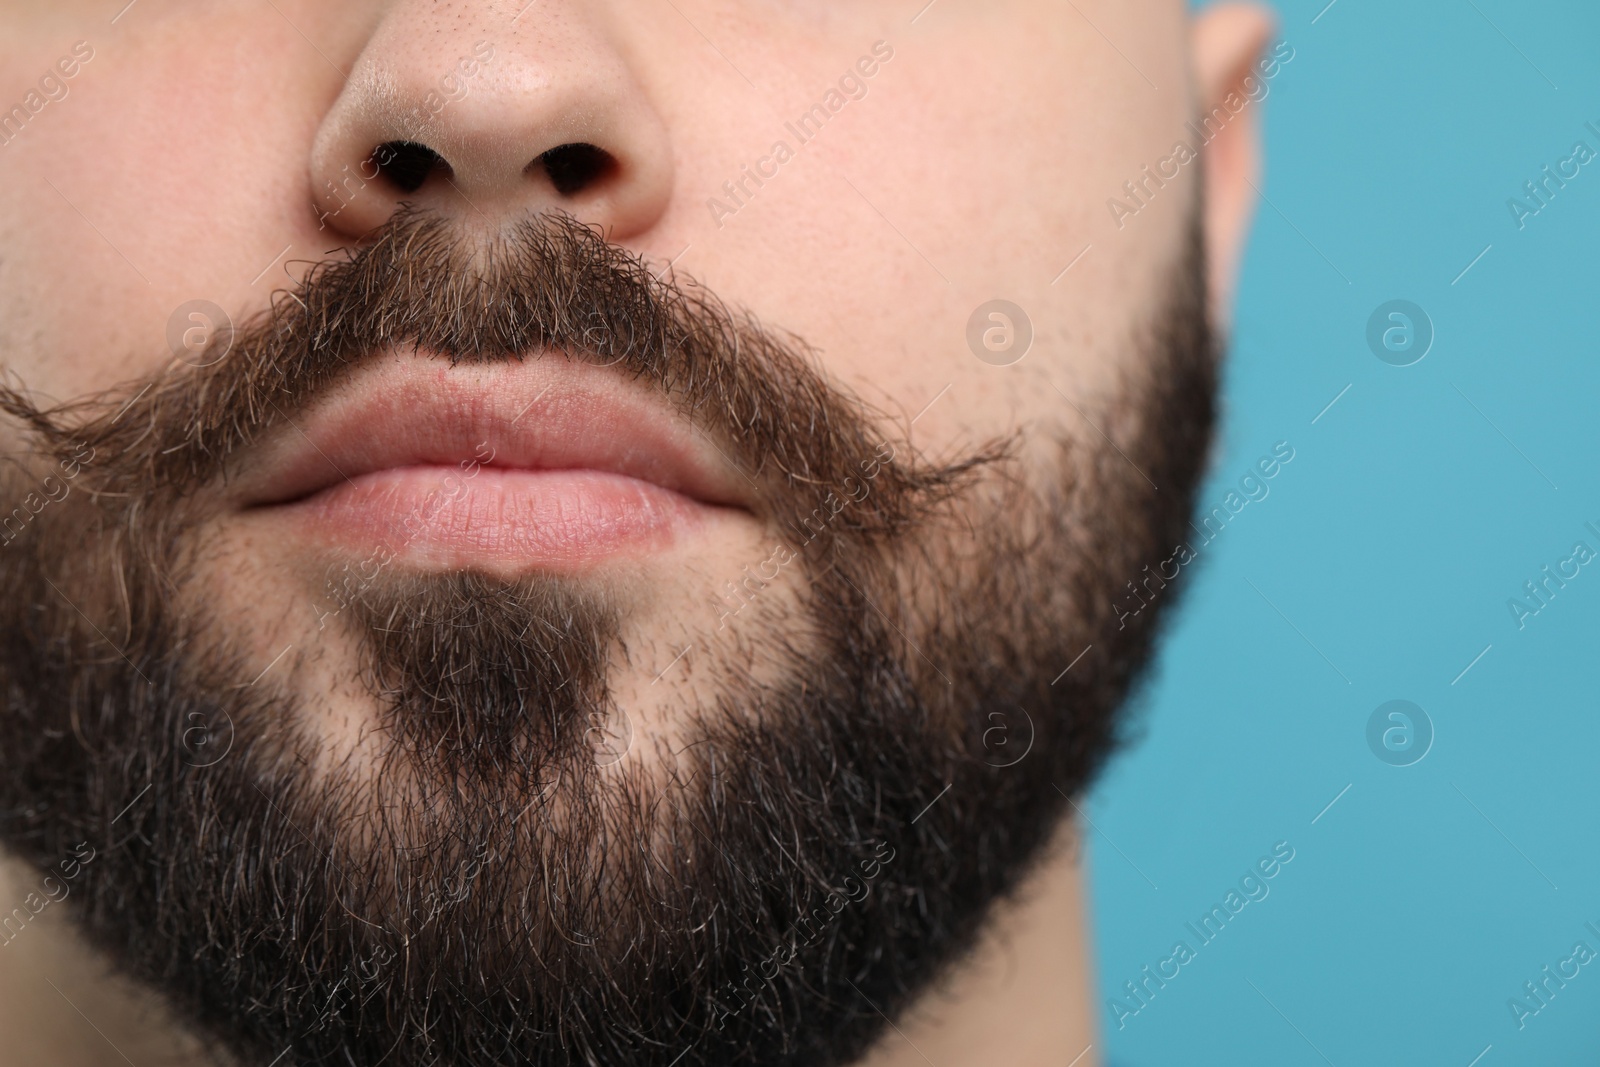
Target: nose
[{"x": 473, "y": 114}]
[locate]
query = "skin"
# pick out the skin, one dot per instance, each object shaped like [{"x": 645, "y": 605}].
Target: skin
[{"x": 199, "y": 141}]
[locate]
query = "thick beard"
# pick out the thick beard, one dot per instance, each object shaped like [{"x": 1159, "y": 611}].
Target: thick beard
[{"x": 490, "y": 891}]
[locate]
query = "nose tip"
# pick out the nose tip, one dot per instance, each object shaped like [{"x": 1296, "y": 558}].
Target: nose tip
[{"x": 516, "y": 124}]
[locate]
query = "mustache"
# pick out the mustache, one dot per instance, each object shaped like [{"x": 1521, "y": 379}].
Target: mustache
[{"x": 550, "y": 287}]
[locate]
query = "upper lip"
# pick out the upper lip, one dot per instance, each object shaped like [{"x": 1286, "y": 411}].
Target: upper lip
[{"x": 547, "y": 412}]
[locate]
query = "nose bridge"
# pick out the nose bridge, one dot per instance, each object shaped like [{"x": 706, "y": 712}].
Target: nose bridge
[{"x": 465, "y": 110}]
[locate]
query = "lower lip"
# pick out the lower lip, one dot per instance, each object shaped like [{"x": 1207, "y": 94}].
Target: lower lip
[{"x": 557, "y": 519}]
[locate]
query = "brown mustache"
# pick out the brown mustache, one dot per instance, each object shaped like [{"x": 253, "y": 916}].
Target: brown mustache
[{"x": 551, "y": 286}]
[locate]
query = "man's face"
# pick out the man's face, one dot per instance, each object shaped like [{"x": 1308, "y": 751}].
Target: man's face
[{"x": 526, "y": 525}]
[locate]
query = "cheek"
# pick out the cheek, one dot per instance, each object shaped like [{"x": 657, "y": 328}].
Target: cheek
[
  {"x": 883, "y": 276},
  {"x": 179, "y": 199}
]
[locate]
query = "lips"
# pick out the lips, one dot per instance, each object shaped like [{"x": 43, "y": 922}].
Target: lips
[{"x": 541, "y": 463}]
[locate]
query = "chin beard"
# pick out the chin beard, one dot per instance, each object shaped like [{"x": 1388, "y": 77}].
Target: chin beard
[{"x": 507, "y": 874}]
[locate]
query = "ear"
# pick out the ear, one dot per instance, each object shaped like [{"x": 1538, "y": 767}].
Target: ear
[{"x": 1227, "y": 39}]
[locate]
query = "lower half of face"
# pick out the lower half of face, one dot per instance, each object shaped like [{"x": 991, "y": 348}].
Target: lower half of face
[
  {"x": 564, "y": 670},
  {"x": 682, "y": 791}
]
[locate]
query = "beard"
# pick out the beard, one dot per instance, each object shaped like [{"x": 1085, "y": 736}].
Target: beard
[{"x": 517, "y": 869}]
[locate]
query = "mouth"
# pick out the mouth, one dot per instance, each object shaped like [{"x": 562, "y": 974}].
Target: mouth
[{"x": 546, "y": 463}]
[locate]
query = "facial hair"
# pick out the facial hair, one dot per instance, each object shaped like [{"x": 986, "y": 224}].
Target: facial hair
[{"x": 830, "y": 836}]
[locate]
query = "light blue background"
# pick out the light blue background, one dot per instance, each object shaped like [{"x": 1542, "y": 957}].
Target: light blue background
[{"x": 1421, "y": 901}]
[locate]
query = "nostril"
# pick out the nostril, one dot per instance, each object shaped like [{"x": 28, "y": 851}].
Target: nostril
[
  {"x": 574, "y": 167},
  {"x": 407, "y": 164}
]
